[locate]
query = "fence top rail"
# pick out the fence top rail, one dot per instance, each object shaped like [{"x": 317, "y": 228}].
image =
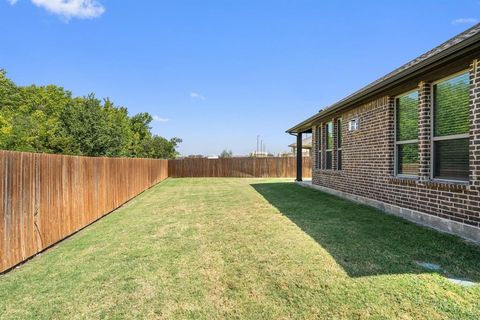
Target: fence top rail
[
  {"x": 239, "y": 158},
  {"x": 75, "y": 156}
]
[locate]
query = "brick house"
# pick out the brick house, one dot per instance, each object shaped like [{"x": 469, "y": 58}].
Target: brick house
[{"x": 408, "y": 143}]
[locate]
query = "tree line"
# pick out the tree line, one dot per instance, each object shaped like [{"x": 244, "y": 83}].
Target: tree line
[{"x": 49, "y": 119}]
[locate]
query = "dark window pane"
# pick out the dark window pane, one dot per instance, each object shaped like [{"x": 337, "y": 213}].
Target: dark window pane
[
  {"x": 407, "y": 159},
  {"x": 452, "y": 159},
  {"x": 318, "y": 145},
  {"x": 328, "y": 164},
  {"x": 339, "y": 133},
  {"x": 452, "y": 106},
  {"x": 329, "y": 135},
  {"x": 339, "y": 160},
  {"x": 407, "y": 117}
]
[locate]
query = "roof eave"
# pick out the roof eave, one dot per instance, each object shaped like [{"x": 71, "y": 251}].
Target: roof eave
[{"x": 453, "y": 52}]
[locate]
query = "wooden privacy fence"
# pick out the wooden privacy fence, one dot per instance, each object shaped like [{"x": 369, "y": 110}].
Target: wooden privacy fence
[
  {"x": 280, "y": 167},
  {"x": 45, "y": 198}
]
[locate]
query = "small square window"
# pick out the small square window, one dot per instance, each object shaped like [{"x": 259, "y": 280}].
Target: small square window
[{"x": 353, "y": 125}]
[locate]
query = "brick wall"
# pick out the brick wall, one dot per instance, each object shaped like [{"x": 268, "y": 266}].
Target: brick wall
[
  {"x": 424, "y": 130},
  {"x": 369, "y": 160},
  {"x": 315, "y": 147}
]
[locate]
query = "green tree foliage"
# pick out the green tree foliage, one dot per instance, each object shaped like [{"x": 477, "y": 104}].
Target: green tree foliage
[
  {"x": 49, "y": 119},
  {"x": 452, "y": 98},
  {"x": 407, "y": 117},
  {"x": 330, "y": 135},
  {"x": 159, "y": 147},
  {"x": 226, "y": 154}
]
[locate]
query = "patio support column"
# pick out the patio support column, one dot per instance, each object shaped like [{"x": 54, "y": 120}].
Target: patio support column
[{"x": 299, "y": 156}]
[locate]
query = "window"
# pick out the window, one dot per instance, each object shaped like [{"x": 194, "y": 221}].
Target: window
[
  {"x": 353, "y": 125},
  {"x": 329, "y": 145},
  {"x": 406, "y": 137},
  {"x": 451, "y": 127},
  {"x": 318, "y": 162},
  {"x": 339, "y": 144}
]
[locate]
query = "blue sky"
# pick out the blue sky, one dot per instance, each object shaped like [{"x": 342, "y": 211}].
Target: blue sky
[{"x": 217, "y": 73}]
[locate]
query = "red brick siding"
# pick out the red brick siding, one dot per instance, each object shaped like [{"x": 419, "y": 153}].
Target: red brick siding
[
  {"x": 315, "y": 147},
  {"x": 424, "y": 129},
  {"x": 368, "y": 160}
]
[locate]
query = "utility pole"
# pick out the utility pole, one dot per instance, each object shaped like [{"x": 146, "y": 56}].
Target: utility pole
[{"x": 256, "y": 151}]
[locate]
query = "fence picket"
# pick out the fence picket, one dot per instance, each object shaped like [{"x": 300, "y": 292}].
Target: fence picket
[
  {"x": 279, "y": 167},
  {"x": 45, "y": 198}
]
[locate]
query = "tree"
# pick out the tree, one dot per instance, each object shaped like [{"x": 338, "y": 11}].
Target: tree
[
  {"x": 48, "y": 119},
  {"x": 30, "y": 116},
  {"x": 161, "y": 148},
  {"x": 87, "y": 125},
  {"x": 119, "y": 129},
  {"x": 140, "y": 126},
  {"x": 226, "y": 154}
]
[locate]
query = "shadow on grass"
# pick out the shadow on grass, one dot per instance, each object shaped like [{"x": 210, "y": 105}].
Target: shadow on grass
[{"x": 366, "y": 241}]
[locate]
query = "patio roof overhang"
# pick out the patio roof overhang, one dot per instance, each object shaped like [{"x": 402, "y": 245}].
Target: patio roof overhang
[{"x": 454, "y": 54}]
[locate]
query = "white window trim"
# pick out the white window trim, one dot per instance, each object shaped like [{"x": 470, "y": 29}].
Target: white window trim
[
  {"x": 357, "y": 124},
  {"x": 433, "y": 139}
]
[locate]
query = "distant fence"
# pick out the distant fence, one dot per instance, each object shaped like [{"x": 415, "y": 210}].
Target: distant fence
[
  {"x": 45, "y": 198},
  {"x": 280, "y": 167}
]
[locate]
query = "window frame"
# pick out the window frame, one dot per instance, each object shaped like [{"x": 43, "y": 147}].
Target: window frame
[
  {"x": 434, "y": 139},
  {"x": 355, "y": 120},
  {"x": 326, "y": 144},
  {"x": 339, "y": 146},
  {"x": 318, "y": 145},
  {"x": 396, "y": 142}
]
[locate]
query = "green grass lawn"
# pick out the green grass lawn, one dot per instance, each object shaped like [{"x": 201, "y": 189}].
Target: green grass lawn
[{"x": 245, "y": 248}]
